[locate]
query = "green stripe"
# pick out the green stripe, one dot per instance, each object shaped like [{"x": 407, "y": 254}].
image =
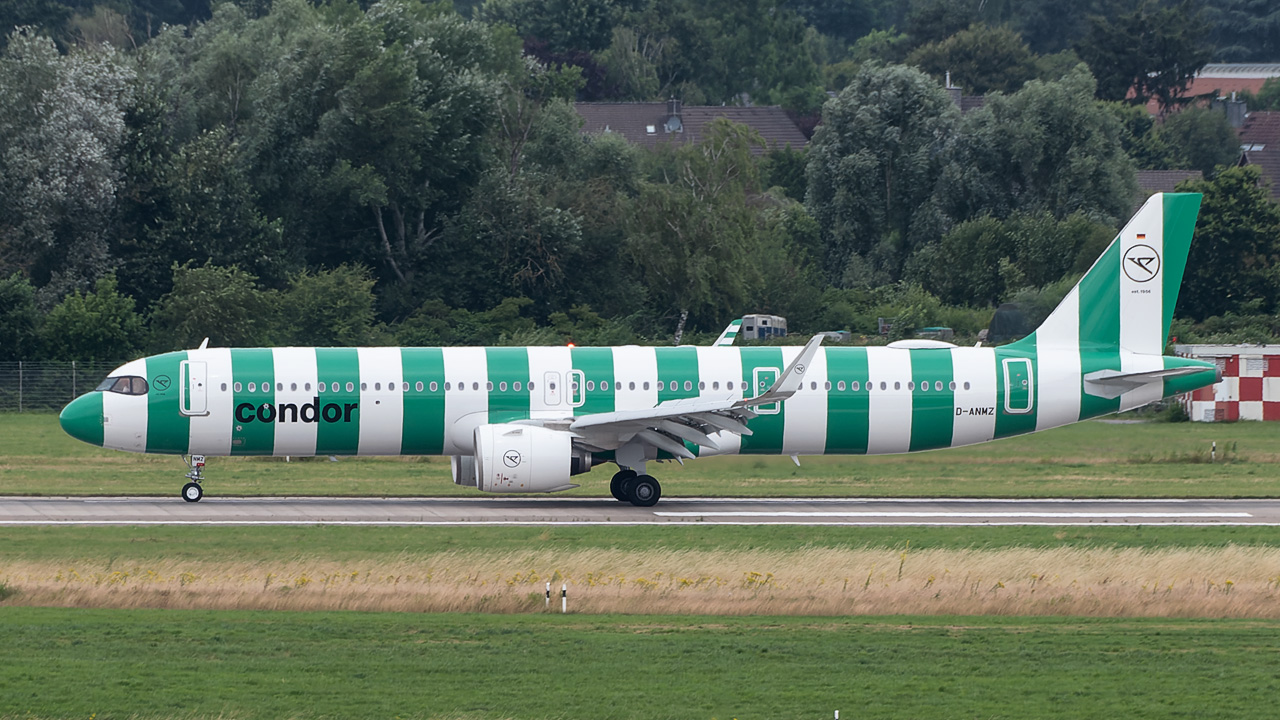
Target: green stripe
[
  {"x": 508, "y": 365},
  {"x": 932, "y": 410},
  {"x": 847, "y": 426},
  {"x": 256, "y": 366},
  {"x": 168, "y": 430},
  {"x": 596, "y": 364},
  {"x": 678, "y": 365},
  {"x": 767, "y": 429},
  {"x": 423, "y": 426},
  {"x": 1180, "y": 211},
  {"x": 1100, "y": 327},
  {"x": 340, "y": 365},
  {"x": 1016, "y": 423}
]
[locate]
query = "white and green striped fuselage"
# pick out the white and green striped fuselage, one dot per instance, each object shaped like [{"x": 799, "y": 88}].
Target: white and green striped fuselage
[
  {"x": 429, "y": 401},
  {"x": 525, "y": 419}
]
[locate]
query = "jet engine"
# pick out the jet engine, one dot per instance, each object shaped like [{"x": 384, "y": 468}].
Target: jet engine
[{"x": 514, "y": 458}]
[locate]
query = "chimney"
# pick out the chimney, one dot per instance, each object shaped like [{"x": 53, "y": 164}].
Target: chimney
[
  {"x": 1236, "y": 112},
  {"x": 952, "y": 91},
  {"x": 673, "y": 107}
]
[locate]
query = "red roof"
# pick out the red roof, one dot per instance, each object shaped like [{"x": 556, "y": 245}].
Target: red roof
[
  {"x": 1261, "y": 128},
  {"x": 1151, "y": 182},
  {"x": 648, "y": 124},
  {"x": 1268, "y": 161}
]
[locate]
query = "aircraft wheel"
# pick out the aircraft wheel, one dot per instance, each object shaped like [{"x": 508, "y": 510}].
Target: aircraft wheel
[
  {"x": 192, "y": 492},
  {"x": 618, "y": 485},
  {"x": 644, "y": 491}
]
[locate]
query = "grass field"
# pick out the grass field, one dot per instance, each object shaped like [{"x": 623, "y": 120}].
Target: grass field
[
  {"x": 1107, "y": 572},
  {"x": 1092, "y": 459},
  {"x": 198, "y": 664}
]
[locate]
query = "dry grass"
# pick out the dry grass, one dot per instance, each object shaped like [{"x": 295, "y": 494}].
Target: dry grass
[{"x": 1235, "y": 581}]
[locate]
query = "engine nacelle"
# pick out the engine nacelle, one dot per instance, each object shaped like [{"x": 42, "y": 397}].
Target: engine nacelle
[{"x": 526, "y": 458}]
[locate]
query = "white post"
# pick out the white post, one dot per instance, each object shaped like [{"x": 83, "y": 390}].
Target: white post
[
  {"x": 19, "y": 386},
  {"x": 564, "y": 598},
  {"x": 548, "y": 593},
  {"x": 1213, "y": 452}
]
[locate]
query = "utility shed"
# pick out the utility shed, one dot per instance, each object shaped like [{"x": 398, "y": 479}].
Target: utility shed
[{"x": 1250, "y": 386}]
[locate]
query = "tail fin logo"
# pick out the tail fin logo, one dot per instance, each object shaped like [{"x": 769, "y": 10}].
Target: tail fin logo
[{"x": 1141, "y": 263}]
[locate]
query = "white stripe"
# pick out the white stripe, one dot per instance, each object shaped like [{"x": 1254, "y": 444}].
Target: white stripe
[
  {"x": 211, "y": 434},
  {"x": 976, "y": 410},
  {"x": 465, "y": 410},
  {"x": 804, "y": 431},
  {"x": 721, "y": 365},
  {"x": 639, "y": 365},
  {"x": 1142, "y": 303},
  {"x": 889, "y": 411},
  {"x": 1058, "y": 360},
  {"x": 381, "y": 401},
  {"x": 295, "y": 372}
]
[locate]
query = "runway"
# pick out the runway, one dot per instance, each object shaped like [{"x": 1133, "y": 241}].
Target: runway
[{"x": 49, "y": 511}]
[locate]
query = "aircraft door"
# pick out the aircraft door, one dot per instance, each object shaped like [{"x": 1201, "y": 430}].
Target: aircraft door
[
  {"x": 551, "y": 388},
  {"x": 1019, "y": 386},
  {"x": 193, "y": 391},
  {"x": 764, "y": 378}
]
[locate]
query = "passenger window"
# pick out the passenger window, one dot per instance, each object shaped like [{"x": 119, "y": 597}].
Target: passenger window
[
  {"x": 855, "y": 385},
  {"x": 516, "y": 386},
  {"x": 924, "y": 387},
  {"x": 488, "y": 386},
  {"x": 604, "y": 384},
  {"x": 911, "y": 385},
  {"x": 591, "y": 385},
  {"x": 966, "y": 384},
  {"x": 826, "y": 385},
  {"x": 646, "y": 384},
  {"x": 253, "y": 387},
  {"x": 475, "y": 386},
  {"x": 418, "y": 386},
  {"x": 280, "y": 387},
  {"x": 937, "y": 386},
  {"x": 351, "y": 387},
  {"x": 953, "y": 385},
  {"x": 530, "y": 386},
  {"x": 631, "y": 386},
  {"x": 897, "y": 386},
  {"x": 716, "y": 385},
  {"x": 662, "y": 385},
  {"x": 840, "y": 386},
  {"x": 448, "y": 386},
  {"x": 364, "y": 386},
  {"x": 404, "y": 387},
  {"x": 237, "y": 387},
  {"x": 883, "y": 385},
  {"x": 688, "y": 386},
  {"x": 702, "y": 385},
  {"x": 224, "y": 387},
  {"x": 502, "y": 386}
]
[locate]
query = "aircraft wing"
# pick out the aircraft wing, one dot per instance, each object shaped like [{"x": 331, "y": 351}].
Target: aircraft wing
[
  {"x": 729, "y": 335},
  {"x": 667, "y": 425}
]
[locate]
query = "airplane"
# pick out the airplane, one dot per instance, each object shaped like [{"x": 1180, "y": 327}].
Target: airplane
[{"x": 528, "y": 419}]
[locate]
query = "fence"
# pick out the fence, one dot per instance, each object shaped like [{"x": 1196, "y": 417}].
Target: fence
[{"x": 48, "y": 385}]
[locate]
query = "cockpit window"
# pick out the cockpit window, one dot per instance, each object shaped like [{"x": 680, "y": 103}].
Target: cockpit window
[{"x": 124, "y": 385}]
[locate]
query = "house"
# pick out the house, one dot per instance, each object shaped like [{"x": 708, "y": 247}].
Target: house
[
  {"x": 652, "y": 124},
  {"x": 1250, "y": 385},
  {"x": 1260, "y": 145},
  {"x": 1220, "y": 80}
]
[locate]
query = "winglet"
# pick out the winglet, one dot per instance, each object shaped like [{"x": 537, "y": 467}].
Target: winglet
[
  {"x": 789, "y": 382},
  {"x": 729, "y": 335},
  {"x": 204, "y": 344}
]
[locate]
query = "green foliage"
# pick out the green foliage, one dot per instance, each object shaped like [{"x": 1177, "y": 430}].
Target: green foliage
[
  {"x": 980, "y": 262},
  {"x": 19, "y": 320},
  {"x": 1200, "y": 139},
  {"x": 785, "y": 168},
  {"x": 1047, "y": 148},
  {"x": 1235, "y": 249},
  {"x": 223, "y": 304},
  {"x": 980, "y": 59},
  {"x": 1235, "y": 246},
  {"x": 871, "y": 168},
  {"x": 98, "y": 325},
  {"x": 331, "y": 308},
  {"x": 1268, "y": 97},
  {"x": 1152, "y": 50}
]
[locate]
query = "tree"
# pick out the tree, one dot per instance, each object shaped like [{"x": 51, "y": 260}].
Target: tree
[
  {"x": 871, "y": 169},
  {"x": 1243, "y": 30},
  {"x": 19, "y": 320},
  {"x": 223, "y": 304},
  {"x": 330, "y": 308},
  {"x": 1235, "y": 252},
  {"x": 980, "y": 59},
  {"x": 1200, "y": 139},
  {"x": 99, "y": 325},
  {"x": 692, "y": 238},
  {"x": 62, "y": 122},
  {"x": 1149, "y": 52},
  {"x": 1268, "y": 97},
  {"x": 1047, "y": 148}
]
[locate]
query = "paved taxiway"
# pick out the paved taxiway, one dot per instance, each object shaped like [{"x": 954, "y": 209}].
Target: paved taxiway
[{"x": 589, "y": 511}]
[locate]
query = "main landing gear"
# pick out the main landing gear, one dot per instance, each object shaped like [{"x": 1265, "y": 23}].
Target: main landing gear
[
  {"x": 192, "y": 492},
  {"x": 639, "y": 490}
]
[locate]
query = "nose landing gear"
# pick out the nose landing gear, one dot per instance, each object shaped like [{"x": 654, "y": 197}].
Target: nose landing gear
[{"x": 192, "y": 492}]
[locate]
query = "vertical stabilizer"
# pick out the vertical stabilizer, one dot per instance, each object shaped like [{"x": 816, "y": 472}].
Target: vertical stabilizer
[{"x": 1126, "y": 299}]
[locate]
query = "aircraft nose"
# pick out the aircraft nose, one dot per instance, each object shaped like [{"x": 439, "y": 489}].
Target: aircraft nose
[{"x": 82, "y": 418}]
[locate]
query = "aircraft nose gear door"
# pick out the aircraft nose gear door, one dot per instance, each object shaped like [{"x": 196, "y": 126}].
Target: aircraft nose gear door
[
  {"x": 1019, "y": 386},
  {"x": 193, "y": 388}
]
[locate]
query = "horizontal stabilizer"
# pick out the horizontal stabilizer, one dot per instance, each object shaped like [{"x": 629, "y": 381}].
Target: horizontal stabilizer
[{"x": 1114, "y": 383}]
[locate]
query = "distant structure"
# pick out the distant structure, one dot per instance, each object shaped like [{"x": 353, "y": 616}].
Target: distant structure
[
  {"x": 966, "y": 103},
  {"x": 1151, "y": 182},
  {"x": 1250, "y": 385},
  {"x": 1260, "y": 145},
  {"x": 1220, "y": 80},
  {"x": 763, "y": 327},
  {"x": 652, "y": 124}
]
